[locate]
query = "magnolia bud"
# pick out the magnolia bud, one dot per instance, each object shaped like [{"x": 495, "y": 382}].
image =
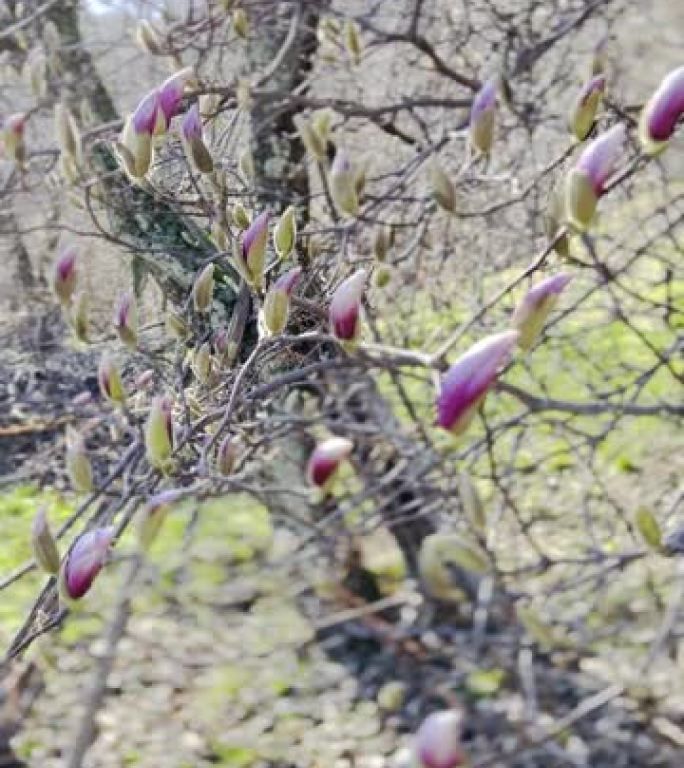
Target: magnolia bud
[
  {"x": 109, "y": 379},
  {"x": 345, "y": 307},
  {"x": 195, "y": 149},
  {"x": 227, "y": 455},
  {"x": 78, "y": 467},
  {"x": 35, "y": 73},
  {"x": 67, "y": 133},
  {"x": 382, "y": 242},
  {"x": 12, "y": 134},
  {"x": 78, "y": 317},
  {"x": 83, "y": 562},
  {"x": 240, "y": 216},
  {"x": 450, "y": 566},
  {"x": 314, "y": 144},
  {"x": 219, "y": 235},
  {"x": 482, "y": 116},
  {"x": 43, "y": 543},
  {"x": 246, "y": 164},
  {"x": 241, "y": 23},
  {"x": 126, "y": 320},
  {"x": 225, "y": 347},
  {"x": 159, "y": 433},
  {"x": 64, "y": 275},
  {"x": 326, "y": 459},
  {"x": 321, "y": 125},
  {"x": 382, "y": 276},
  {"x": 277, "y": 301},
  {"x": 586, "y": 181},
  {"x": 352, "y": 42},
  {"x": 555, "y": 218},
  {"x": 437, "y": 743},
  {"x": 584, "y": 110},
  {"x": 171, "y": 97},
  {"x": 661, "y": 114},
  {"x": 343, "y": 184},
  {"x": 472, "y": 503},
  {"x": 202, "y": 363},
  {"x": 285, "y": 233},
  {"x": 147, "y": 38},
  {"x": 530, "y": 315},
  {"x": 599, "y": 59},
  {"x": 467, "y": 381},
  {"x": 203, "y": 290},
  {"x": 250, "y": 254},
  {"x": 176, "y": 326},
  {"x": 151, "y": 517},
  {"x": 443, "y": 190}
]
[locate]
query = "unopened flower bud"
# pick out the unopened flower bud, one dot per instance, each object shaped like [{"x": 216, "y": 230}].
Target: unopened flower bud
[
  {"x": 64, "y": 275},
  {"x": 450, "y": 566},
  {"x": 159, "y": 433},
  {"x": 326, "y": 459},
  {"x": 467, "y": 381},
  {"x": 443, "y": 190},
  {"x": 586, "y": 181},
  {"x": 126, "y": 320},
  {"x": 12, "y": 133},
  {"x": 584, "y": 110},
  {"x": 382, "y": 276},
  {"x": 352, "y": 42},
  {"x": 555, "y": 218},
  {"x": 599, "y": 59},
  {"x": 109, "y": 379},
  {"x": 343, "y": 184},
  {"x": 193, "y": 143},
  {"x": 662, "y": 112},
  {"x": 320, "y": 123},
  {"x": 202, "y": 363},
  {"x": 203, "y": 290},
  {"x": 219, "y": 235},
  {"x": 171, "y": 94},
  {"x": 78, "y": 316},
  {"x": 147, "y": 38},
  {"x": 227, "y": 455},
  {"x": 285, "y": 233},
  {"x": 150, "y": 518},
  {"x": 176, "y": 325},
  {"x": 35, "y": 73},
  {"x": 530, "y": 315},
  {"x": 241, "y": 23},
  {"x": 345, "y": 307},
  {"x": 313, "y": 143},
  {"x": 43, "y": 543},
  {"x": 78, "y": 467},
  {"x": 482, "y": 117},
  {"x": 246, "y": 164},
  {"x": 382, "y": 241},
  {"x": 250, "y": 254},
  {"x": 437, "y": 743},
  {"x": 240, "y": 216},
  {"x": 67, "y": 133},
  {"x": 277, "y": 302},
  {"x": 84, "y": 561}
]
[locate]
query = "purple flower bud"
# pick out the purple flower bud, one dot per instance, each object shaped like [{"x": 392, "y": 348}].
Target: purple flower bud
[
  {"x": 171, "y": 93},
  {"x": 343, "y": 184},
  {"x": 191, "y": 127},
  {"x": 345, "y": 307},
  {"x": 530, "y": 315},
  {"x": 195, "y": 149},
  {"x": 145, "y": 115},
  {"x": 467, "y": 381},
  {"x": 326, "y": 459},
  {"x": 437, "y": 743},
  {"x": 277, "y": 301},
  {"x": 253, "y": 249},
  {"x": 586, "y": 104},
  {"x": 586, "y": 182},
  {"x": 126, "y": 320},
  {"x": 159, "y": 433},
  {"x": 12, "y": 134},
  {"x": 661, "y": 113},
  {"x": 84, "y": 561},
  {"x": 109, "y": 379},
  {"x": 64, "y": 275},
  {"x": 43, "y": 543},
  {"x": 482, "y": 114}
]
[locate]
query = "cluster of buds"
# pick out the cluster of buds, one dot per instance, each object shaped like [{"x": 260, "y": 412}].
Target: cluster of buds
[
  {"x": 345, "y": 308},
  {"x": 126, "y": 320},
  {"x": 78, "y": 466},
  {"x": 159, "y": 433},
  {"x": 250, "y": 253},
  {"x": 482, "y": 117},
  {"x": 110, "y": 382},
  {"x": 151, "y": 117},
  {"x": 83, "y": 562},
  {"x": 326, "y": 459},
  {"x": 586, "y": 182},
  {"x": 276, "y": 307},
  {"x": 12, "y": 134},
  {"x": 530, "y": 315},
  {"x": 195, "y": 149},
  {"x": 437, "y": 743},
  {"x": 468, "y": 380},
  {"x": 662, "y": 112},
  {"x": 345, "y": 181},
  {"x": 586, "y": 105}
]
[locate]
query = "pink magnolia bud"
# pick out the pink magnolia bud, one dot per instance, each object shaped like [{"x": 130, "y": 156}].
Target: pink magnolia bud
[
  {"x": 151, "y": 517},
  {"x": 586, "y": 104},
  {"x": 109, "y": 379},
  {"x": 43, "y": 543},
  {"x": 78, "y": 465},
  {"x": 144, "y": 118},
  {"x": 277, "y": 301},
  {"x": 251, "y": 256},
  {"x": 171, "y": 93},
  {"x": 203, "y": 290},
  {"x": 326, "y": 459},
  {"x": 662, "y": 112},
  {"x": 343, "y": 184},
  {"x": 585, "y": 183},
  {"x": 126, "y": 320},
  {"x": 12, "y": 133},
  {"x": 195, "y": 148},
  {"x": 159, "y": 433},
  {"x": 437, "y": 743},
  {"x": 345, "y": 307},
  {"x": 482, "y": 116},
  {"x": 467, "y": 381},
  {"x": 64, "y": 275},
  {"x": 84, "y": 561},
  {"x": 530, "y": 315}
]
